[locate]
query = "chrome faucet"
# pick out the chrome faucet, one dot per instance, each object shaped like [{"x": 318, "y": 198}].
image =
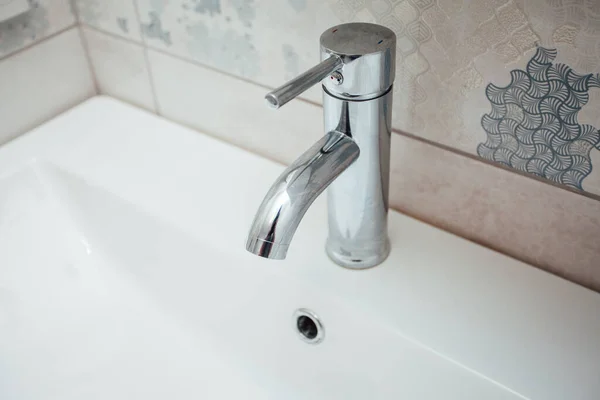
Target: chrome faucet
[{"x": 357, "y": 72}]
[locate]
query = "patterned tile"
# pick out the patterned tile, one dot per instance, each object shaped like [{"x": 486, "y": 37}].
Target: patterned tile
[
  {"x": 448, "y": 51},
  {"x": 477, "y": 11},
  {"x": 423, "y": 4},
  {"x": 237, "y": 36},
  {"x": 510, "y": 17},
  {"x": 507, "y": 52},
  {"x": 419, "y": 31},
  {"x": 365, "y": 15},
  {"x": 405, "y": 45},
  {"x": 434, "y": 16},
  {"x": 533, "y": 125},
  {"x": 113, "y": 16},
  {"x": 524, "y": 39},
  {"x": 379, "y": 8},
  {"x": 355, "y": 4},
  {"x": 394, "y": 23},
  {"x": 451, "y": 7},
  {"x": 406, "y": 12},
  {"x": 45, "y": 18},
  {"x": 492, "y": 31},
  {"x": 578, "y": 20}
]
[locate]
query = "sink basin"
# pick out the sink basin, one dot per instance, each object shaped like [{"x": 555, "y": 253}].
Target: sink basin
[
  {"x": 123, "y": 275},
  {"x": 100, "y": 298},
  {"x": 75, "y": 321}
]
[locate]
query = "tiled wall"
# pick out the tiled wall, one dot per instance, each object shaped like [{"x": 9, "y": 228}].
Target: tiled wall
[
  {"x": 496, "y": 102},
  {"x": 43, "y": 66},
  {"x": 449, "y": 52}
]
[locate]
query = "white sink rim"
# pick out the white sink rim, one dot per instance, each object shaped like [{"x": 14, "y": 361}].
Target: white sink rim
[{"x": 533, "y": 333}]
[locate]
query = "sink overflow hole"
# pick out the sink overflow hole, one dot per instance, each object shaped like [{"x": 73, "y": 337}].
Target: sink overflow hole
[{"x": 309, "y": 327}]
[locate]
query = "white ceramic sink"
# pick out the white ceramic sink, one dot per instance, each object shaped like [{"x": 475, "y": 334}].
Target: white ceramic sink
[{"x": 123, "y": 275}]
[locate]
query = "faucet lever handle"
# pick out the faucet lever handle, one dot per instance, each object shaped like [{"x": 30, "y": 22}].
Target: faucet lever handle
[{"x": 301, "y": 83}]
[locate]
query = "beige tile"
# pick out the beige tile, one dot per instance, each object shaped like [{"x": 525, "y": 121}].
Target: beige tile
[
  {"x": 552, "y": 228},
  {"x": 233, "y": 110},
  {"x": 120, "y": 68},
  {"x": 41, "y": 82}
]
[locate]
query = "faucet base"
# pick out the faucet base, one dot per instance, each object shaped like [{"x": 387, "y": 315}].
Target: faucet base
[
  {"x": 357, "y": 200},
  {"x": 362, "y": 258}
]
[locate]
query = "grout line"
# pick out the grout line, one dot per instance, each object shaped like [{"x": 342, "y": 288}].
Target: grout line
[
  {"x": 112, "y": 34},
  {"x": 147, "y": 59},
  {"x": 85, "y": 44},
  {"x": 75, "y": 11},
  {"x": 194, "y": 62},
  {"x": 88, "y": 57},
  {"x": 396, "y": 131},
  {"x": 221, "y": 139},
  {"x": 35, "y": 43},
  {"x": 495, "y": 165},
  {"x": 230, "y": 75},
  {"x": 152, "y": 84}
]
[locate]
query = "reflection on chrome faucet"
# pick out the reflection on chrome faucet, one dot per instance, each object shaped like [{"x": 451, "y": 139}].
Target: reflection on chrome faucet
[
  {"x": 295, "y": 190},
  {"x": 357, "y": 73}
]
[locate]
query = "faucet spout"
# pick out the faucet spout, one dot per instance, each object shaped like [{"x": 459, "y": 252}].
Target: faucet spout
[{"x": 295, "y": 190}]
